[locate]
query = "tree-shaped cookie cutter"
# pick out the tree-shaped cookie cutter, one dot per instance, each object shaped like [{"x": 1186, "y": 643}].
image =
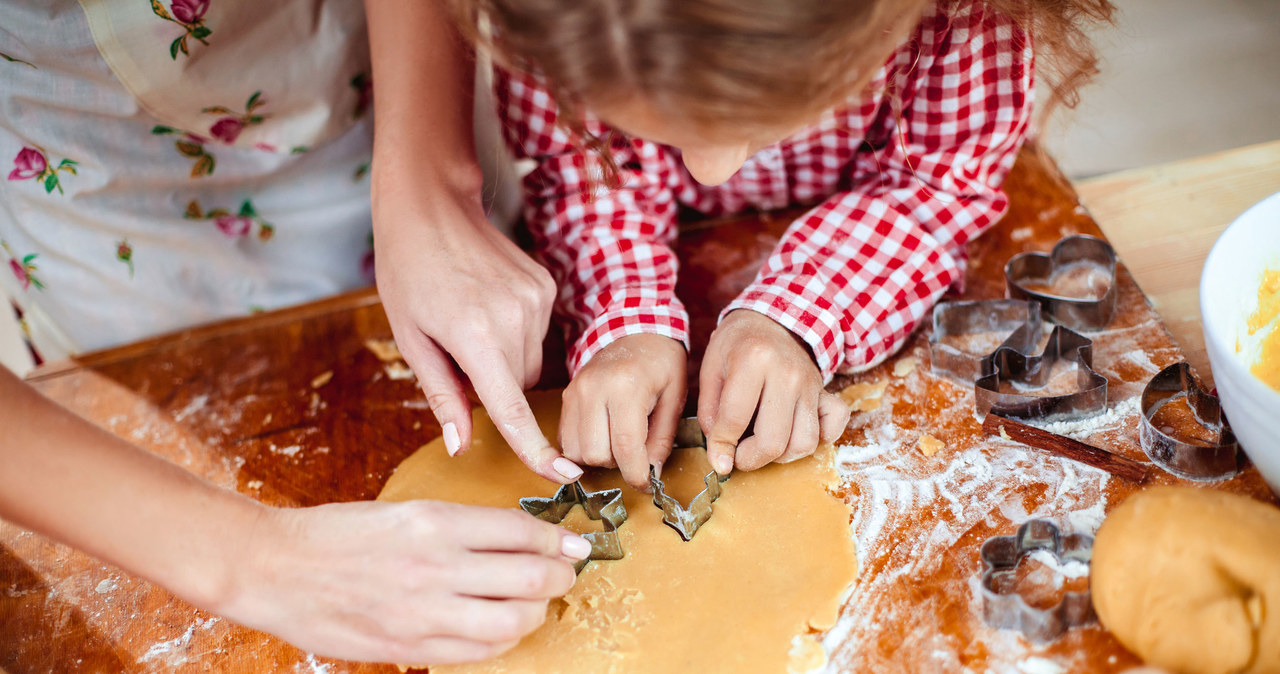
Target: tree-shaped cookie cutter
[
  {"x": 1088, "y": 314},
  {"x": 1186, "y": 457},
  {"x": 1009, "y": 610},
  {"x": 687, "y": 520},
  {"x": 605, "y": 506}
]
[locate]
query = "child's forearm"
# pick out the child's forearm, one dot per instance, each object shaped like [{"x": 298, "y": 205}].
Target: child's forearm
[{"x": 70, "y": 480}]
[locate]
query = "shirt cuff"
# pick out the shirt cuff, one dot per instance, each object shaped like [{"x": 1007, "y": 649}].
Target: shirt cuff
[
  {"x": 669, "y": 320},
  {"x": 811, "y": 318}
]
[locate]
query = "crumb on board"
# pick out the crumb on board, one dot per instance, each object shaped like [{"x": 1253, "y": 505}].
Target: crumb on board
[
  {"x": 864, "y": 397},
  {"x": 384, "y": 349},
  {"x": 1004, "y": 434},
  {"x": 322, "y": 379},
  {"x": 398, "y": 371},
  {"x": 253, "y": 484},
  {"x": 905, "y": 366},
  {"x": 929, "y": 445}
]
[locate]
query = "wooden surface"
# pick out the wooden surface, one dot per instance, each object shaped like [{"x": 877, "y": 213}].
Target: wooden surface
[
  {"x": 1163, "y": 220},
  {"x": 234, "y": 402}
]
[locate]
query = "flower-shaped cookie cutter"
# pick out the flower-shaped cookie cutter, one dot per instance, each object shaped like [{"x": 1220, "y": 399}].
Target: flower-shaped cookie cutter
[
  {"x": 1019, "y": 319},
  {"x": 1005, "y": 609},
  {"x": 1023, "y": 371},
  {"x": 605, "y": 506},
  {"x": 1212, "y": 458},
  {"x": 1079, "y": 313},
  {"x": 687, "y": 520}
]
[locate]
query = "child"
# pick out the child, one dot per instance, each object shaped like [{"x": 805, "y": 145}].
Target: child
[{"x": 896, "y": 121}]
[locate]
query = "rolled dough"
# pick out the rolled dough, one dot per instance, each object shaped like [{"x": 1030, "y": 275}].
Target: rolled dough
[
  {"x": 754, "y": 586},
  {"x": 1189, "y": 579}
]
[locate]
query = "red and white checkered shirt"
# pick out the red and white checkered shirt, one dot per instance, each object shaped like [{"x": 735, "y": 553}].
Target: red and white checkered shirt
[{"x": 898, "y": 196}]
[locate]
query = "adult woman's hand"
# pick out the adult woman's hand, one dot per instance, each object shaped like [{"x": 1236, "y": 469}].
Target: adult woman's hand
[
  {"x": 462, "y": 299},
  {"x": 421, "y": 582}
]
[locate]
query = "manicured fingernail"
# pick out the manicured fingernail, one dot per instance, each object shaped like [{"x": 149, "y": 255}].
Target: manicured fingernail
[
  {"x": 575, "y": 547},
  {"x": 723, "y": 464},
  {"x": 567, "y": 468},
  {"x": 452, "y": 443}
]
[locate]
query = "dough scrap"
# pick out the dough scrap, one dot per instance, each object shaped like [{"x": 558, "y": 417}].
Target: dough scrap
[
  {"x": 384, "y": 350},
  {"x": 773, "y": 562},
  {"x": 929, "y": 445},
  {"x": 864, "y": 397},
  {"x": 1189, "y": 579}
]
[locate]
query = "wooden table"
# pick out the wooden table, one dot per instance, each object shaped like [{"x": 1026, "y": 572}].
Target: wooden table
[
  {"x": 1163, "y": 220},
  {"x": 235, "y": 402}
]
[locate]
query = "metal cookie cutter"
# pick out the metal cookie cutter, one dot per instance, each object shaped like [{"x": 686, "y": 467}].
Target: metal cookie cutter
[
  {"x": 605, "y": 506},
  {"x": 1025, "y": 371},
  {"x": 1009, "y": 610},
  {"x": 1216, "y": 457},
  {"x": 1079, "y": 313},
  {"x": 687, "y": 521},
  {"x": 1019, "y": 319}
]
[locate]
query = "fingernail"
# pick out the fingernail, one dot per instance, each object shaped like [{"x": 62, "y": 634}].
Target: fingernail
[
  {"x": 575, "y": 547},
  {"x": 452, "y": 443},
  {"x": 567, "y": 468},
  {"x": 723, "y": 464}
]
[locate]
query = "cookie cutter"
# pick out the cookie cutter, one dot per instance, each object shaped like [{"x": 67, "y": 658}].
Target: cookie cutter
[
  {"x": 1087, "y": 314},
  {"x": 687, "y": 520},
  {"x": 1003, "y": 609},
  {"x": 1029, "y": 371},
  {"x": 1186, "y": 457},
  {"x": 1020, "y": 319},
  {"x": 605, "y": 506}
]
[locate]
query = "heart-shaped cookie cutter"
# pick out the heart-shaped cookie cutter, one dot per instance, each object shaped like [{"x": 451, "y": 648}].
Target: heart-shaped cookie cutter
[
  {"x": 1188, "y": 457},
  {"x": 1029, "y": 371},
  {"x": 1019, "y": 319},
  {"x": 1010, "y": 610},
  {"x": 605, "y": 506},
  {"x": 1087, "y": 314}
]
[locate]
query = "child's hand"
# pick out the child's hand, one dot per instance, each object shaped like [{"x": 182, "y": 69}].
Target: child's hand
[
  {"x": 622, "y": 407},
  {"x": 755, "y": 368}
]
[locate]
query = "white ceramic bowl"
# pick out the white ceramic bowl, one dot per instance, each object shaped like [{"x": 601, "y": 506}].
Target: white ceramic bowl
[{"x": 1228, "y": 296}]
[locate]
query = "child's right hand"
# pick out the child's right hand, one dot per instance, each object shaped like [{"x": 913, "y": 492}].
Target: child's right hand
[{"x": 622, "y": 407}]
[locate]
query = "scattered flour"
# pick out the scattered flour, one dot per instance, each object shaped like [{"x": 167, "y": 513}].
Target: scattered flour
[
  {"x": 1035, "y": 665},
  {"x": 107, "y": 585},
  {"x": 197, "y": 403},
  {"x": 1069, "y": 569},
  {"x": 291, "y": 450}
]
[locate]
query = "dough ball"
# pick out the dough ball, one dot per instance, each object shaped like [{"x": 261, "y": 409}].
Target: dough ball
[{"x": 1189, "y": 579}]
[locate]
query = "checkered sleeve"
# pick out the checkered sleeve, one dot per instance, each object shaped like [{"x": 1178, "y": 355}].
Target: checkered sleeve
[
  {"x": 609, "y": 250},
  {"x": 855, "y": 275}
]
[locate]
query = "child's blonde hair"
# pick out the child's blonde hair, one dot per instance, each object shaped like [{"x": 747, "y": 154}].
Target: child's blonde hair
[{"x": 746, "y": 63}]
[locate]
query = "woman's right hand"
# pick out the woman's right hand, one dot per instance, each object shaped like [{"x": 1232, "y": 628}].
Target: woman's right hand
[{"x": 421, "y": 582}]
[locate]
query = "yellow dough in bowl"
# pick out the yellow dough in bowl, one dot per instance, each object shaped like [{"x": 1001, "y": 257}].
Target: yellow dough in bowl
[
  {"x": 1189, "y": 579},
  {"x": 748, "y": 594}
]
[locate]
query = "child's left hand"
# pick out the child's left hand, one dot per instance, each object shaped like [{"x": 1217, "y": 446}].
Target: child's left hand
[{"x": 755, "y": 368}]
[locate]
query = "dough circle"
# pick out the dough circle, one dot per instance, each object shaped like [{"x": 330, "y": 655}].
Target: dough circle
[
  {"x": 759, "y": 580},
  {"x": 1189, "y": 579}
]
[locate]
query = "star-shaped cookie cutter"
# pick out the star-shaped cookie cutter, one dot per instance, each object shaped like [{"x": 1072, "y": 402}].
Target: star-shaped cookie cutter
[
  {"x": 605, "y": 506},
  {"x": 1024, "y": 371},
  {"x": 1004, "y": 609},
  {"x": 1079, "y": 313},
  {"x": 687, "y": 520},
  {"x": 1187, "y": 457}
]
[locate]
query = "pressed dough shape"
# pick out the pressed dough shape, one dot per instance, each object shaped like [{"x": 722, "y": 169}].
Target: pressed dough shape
[
  {"x": 1189, "y": 579},
  {"x": 773, "y": 562}
]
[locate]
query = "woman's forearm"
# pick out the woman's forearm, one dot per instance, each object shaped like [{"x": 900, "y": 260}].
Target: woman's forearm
[
  {"x": 423, "y": 80},
  {"x": 72, "y": 481}
]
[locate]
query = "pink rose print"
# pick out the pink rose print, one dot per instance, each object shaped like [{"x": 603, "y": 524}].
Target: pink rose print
[
  {"x": 33, "y": 164},
  {"x": 363, "y": 84},
  {"x": 228, "y": 128},
  {"x": 233, "y": 225},
  {"x": 29, "y": 163},
  {"x": 189, "y": 11},
  {"x": 124, "y": 253},
  {"x": 190, "y": 15},
  {"x": 23, "y": 269}
]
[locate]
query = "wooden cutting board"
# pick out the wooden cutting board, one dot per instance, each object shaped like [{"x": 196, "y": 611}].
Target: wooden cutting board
[{"x": 235, "y": 402}]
